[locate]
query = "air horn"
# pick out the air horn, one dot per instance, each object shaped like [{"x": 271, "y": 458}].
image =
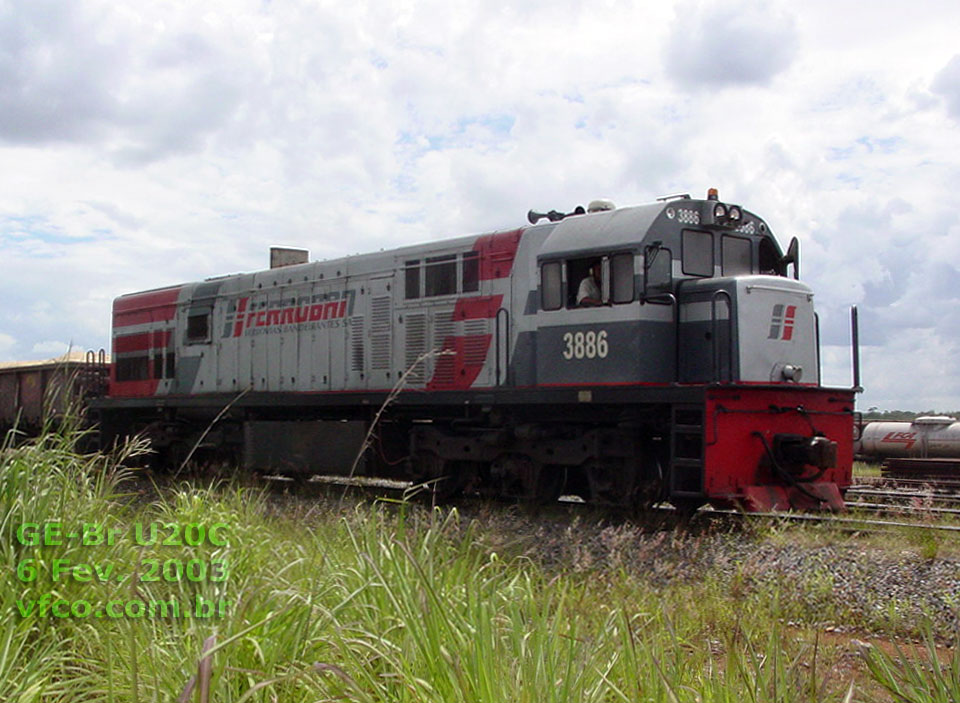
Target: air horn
[{"x": 554, "y": 216}]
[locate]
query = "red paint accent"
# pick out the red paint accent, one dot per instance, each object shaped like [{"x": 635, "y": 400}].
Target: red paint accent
[
  {"x": 133, "y": 389},
  {"x": 140, "y": 308},
  {"x": 736, "y": 466},
  {"x": 908, "y": 439},
  {"x": 788, "y": 322},
  {"x": 238, "y": 325},
  {"x": 766, "y": 499},
  {"x": 157, "y": 339},
  {"x": 497, "y": 252},
  {"x": 157, "y": 306},
  {"x": 455, "y": 367},
  {"x": 599, "y": 384},
  {"x": 482, "y": 308}
]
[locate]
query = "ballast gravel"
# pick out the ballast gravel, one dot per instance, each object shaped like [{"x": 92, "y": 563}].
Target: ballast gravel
[{"x": 853, "y": 585}]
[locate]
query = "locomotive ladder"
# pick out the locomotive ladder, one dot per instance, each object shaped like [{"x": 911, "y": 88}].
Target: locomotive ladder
[{"x": 686, "y": 451}]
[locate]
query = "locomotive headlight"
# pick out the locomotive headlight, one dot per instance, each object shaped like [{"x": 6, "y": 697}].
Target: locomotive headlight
[
  {"x": 792, "y": 373},
  {"x": 735, "y": 214},
  {"x": 719, "y": 212}
]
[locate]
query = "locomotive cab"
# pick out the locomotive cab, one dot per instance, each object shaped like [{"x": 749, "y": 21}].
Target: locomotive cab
[
  {"x": 697, "y": 310},
  {"x": 685, "y": 296}
]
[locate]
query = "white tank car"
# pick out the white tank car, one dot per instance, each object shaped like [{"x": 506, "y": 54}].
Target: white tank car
[{"x": 931, "y": 436}]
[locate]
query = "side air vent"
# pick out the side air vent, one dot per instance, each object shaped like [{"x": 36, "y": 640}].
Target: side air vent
[
  {"x": 380, "y": 333},
  {"x": 415, "y": 344},
  {"x": 356, "y": 334}
]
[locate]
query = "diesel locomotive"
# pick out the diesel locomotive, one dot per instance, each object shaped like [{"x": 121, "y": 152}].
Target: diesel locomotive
[{"x": 628, "y": 355}]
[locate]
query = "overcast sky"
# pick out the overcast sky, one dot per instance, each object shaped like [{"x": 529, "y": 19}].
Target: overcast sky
[{"x": 144, "y": 144}]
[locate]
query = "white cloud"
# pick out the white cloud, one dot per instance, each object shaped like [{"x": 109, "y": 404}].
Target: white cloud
[
  {"x": 947, "y": 84},
  {"x": 713, "y": 44},
  {"x": 98, "y": 73}
]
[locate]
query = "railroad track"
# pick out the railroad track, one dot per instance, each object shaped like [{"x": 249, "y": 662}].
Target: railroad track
[
  {"x": 405, "y": 490},
  {"x": 942, "y": 485},
  {"x": 903, "y": 494}
]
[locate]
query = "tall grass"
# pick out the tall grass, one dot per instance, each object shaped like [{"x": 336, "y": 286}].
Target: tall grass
[
  {"x": 379, "y": 603},
  {"x": 927, "y": 678}
]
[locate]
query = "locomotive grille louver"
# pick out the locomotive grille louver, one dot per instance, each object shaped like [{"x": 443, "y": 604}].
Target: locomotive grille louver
[
  {"x": 415, "y": 344},
  {"x": 444, "y": 329},
  {"x": 380, "y": 333},
  {"x": 476, "y": 343},
  {"x": 356, "y": 332}
]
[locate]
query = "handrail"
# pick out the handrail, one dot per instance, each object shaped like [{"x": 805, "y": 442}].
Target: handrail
[
  {"x": 506, "y": 347},
  {"x": 816, "y": 332},
  {"x": 715, "y": 330}
]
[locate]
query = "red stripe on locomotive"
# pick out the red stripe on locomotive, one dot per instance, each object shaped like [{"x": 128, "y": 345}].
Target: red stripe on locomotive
[
  {"x": 483, "y": 308},
  {"x": 497, "y": 252},
  {"x": 145, "y": 341},
  {"x": 155, "y": 306},
  {"x": 459, "y": 370}
]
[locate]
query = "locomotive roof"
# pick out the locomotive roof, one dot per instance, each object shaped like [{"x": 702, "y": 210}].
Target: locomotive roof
[
  {"x": 601, "y": 231},
  {"x": 584, "y": 235}
]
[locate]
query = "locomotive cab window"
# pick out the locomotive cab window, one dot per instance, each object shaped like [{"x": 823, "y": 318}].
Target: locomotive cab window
[
  {"x": 551, "y": 286},
  {"x": 585, "y": 282},
  {"x": 621, "y": 278},
  {"x": 769, "y": 258},
  {"x": 697, "y": 253},
  {"x": 657, "y": 272},
  {"x": 735, "y": 256},
  {"x": 198, "y": 328}
]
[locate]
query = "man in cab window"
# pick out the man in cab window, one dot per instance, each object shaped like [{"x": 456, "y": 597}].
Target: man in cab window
[{"x": 588, "y": 294}]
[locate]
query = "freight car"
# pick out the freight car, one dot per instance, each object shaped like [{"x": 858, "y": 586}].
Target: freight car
[
  {"x": 627, "y": 355},
  {"x": 33, "y": 393},
  {"x": 926, "y": 448}
]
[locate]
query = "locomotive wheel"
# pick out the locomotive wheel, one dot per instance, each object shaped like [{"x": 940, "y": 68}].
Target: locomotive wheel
[
  {"x": 612, "y": 481},
  {"x": 175, "y": 454},
  {"x": 519, "y": 477},
  {"x": 551, "y": 480},
  {"x": 686, "y": 507},
  {"x": 439, "y": 475},
  {"x": 652, "y": 488}
]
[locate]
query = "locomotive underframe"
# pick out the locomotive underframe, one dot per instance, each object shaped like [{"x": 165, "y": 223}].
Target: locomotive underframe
[{"x": 625, "y": 445}]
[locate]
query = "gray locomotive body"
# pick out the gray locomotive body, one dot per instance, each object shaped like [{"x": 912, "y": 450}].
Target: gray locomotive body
[{"x": 691, "y": 375}]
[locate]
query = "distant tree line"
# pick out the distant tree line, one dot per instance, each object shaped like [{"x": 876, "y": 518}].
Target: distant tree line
[{"x": 874, "y": 413}]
